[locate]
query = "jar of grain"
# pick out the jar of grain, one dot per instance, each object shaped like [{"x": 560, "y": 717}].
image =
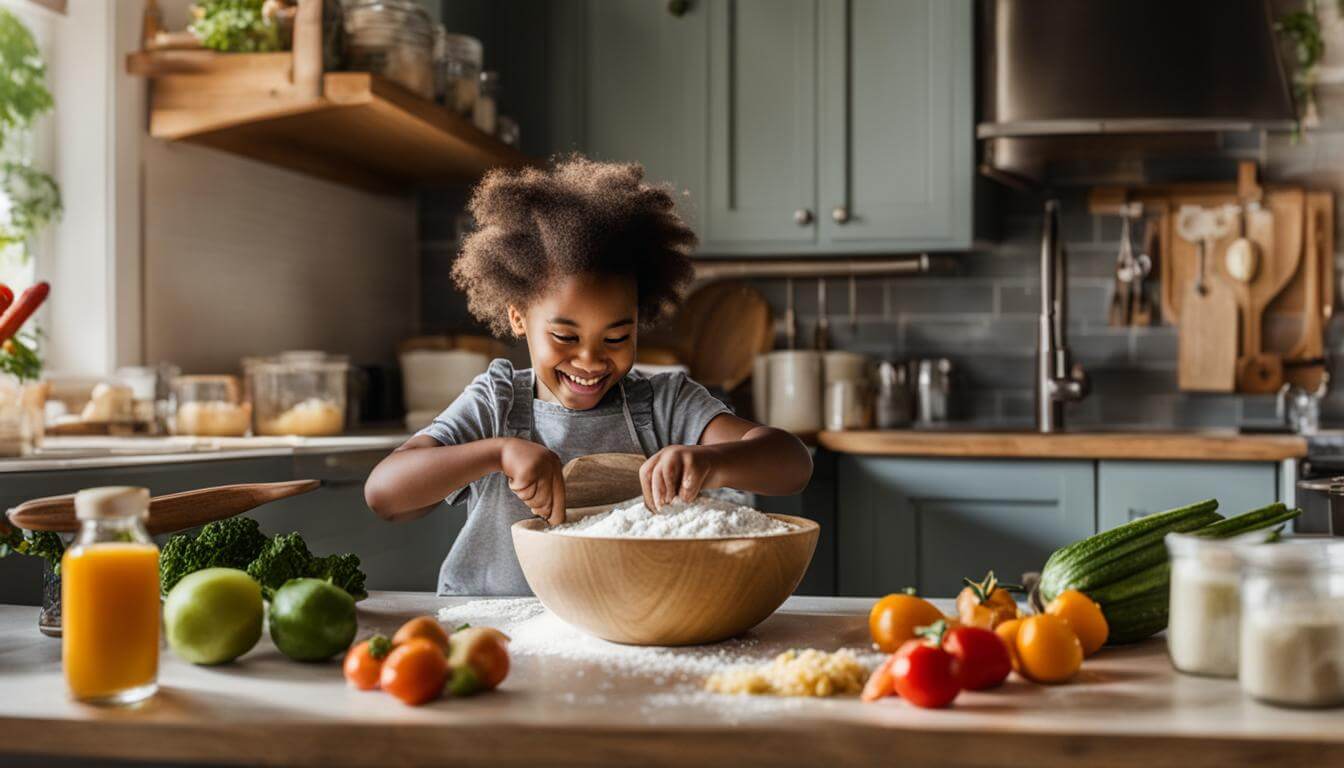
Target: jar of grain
[
  {"x": 460, "y": 66},
  {"x": 393, "y": 39},
  {"x": 1205, "y": 605},
  {"x": 1292, "y": 623}
]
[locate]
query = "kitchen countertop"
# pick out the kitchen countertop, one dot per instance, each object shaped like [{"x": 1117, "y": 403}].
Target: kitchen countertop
[
  {"x": 64, "y": 453},
  {"x": 1169, "y": 446},
  {"x": 1127, "y": 708}
]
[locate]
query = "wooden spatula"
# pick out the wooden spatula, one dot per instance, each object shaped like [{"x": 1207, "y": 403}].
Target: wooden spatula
[
  {"x": 602, "y": 478},
  {"x": 173, "y": 512}
]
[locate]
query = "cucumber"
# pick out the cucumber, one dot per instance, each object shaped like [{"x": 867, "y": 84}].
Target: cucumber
[
  {"x": 1137, "y": 618},
  {"x": 1155, "y": 578},
  {"x": 1084, "y": 548},
  {"x": 1254, "y": 520}
]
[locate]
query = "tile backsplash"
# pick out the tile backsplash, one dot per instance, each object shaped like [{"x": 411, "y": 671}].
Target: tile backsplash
[{"x": 984, "y": 316}]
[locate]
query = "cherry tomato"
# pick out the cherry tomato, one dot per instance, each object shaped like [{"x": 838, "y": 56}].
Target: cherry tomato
[
  {"x": 414, "y": 671},
  {"x": 364, "y": 663},
  {"x": 894, "y": 619},
  {"x": 982, "y": 658},
  {"x": 1048, "y": 649},
  {"x": 479, "y": 660},
  {"x": 924, "y": 675},
  {"x": 1007, "y": 632},
  {"x": 880, "y": 684},
  {"x": 6, "y": 297},
  {"x": 423, "y": 627},
  {"x": 1083, "y": 616}
]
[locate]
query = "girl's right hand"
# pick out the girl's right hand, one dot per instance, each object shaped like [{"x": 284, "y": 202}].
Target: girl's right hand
[{"x": 535, "y": 477}]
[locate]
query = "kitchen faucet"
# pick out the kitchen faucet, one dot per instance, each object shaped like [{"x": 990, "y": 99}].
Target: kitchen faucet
[{"x": 1057, "y": 381}]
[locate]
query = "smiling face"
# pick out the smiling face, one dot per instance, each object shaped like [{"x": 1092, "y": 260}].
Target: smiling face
[{"x": 581, "y": 337}]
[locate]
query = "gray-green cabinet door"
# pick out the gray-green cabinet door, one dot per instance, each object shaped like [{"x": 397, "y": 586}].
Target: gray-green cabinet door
[
  {"x": 1128, "y": 490},
  {"x": 940, "y": 520},
  {"x": 762, "y": 124},
  {"x": 646, "y": 90},
  {"x": 896, "y": 124}
]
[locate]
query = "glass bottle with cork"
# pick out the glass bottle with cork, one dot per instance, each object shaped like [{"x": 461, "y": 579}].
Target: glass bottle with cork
[{"x": 110, "y": 605}]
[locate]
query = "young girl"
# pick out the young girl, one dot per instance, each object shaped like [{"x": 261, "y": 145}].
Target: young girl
[{"x": 575, "y": 261}]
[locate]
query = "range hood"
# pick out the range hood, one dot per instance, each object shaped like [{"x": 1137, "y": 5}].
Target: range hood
[{"x": 1119, "y": 80}]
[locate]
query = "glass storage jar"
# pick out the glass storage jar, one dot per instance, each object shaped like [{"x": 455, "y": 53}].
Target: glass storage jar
[
  {"x": 461, "y": 67},
  {"x": 21, "y": 416},
  {"x": 1205, "y": 606},
  {"x": 393, "y": 39},
  {"x": 210, "y": 406},
  {"x": 299, "y": 394},
  {"x": 1292, "y": 623},
  {"x": 485, "y": 114}
]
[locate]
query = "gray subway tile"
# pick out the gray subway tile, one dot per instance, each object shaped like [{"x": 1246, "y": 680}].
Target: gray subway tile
[{"x": 950, "y": 295}]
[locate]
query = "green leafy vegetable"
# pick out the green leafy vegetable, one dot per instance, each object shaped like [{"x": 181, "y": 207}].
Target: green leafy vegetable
[
  {"x": 342, "y": 571},
  {"x": 285, "y": 557},
  {"x": 44, "y": 544},
  {"x": 231, "y": 543},
  {"x": 174, "y": 561},
  {"x": 19, "y": 358},
  {"x": 237, "y": 26}
]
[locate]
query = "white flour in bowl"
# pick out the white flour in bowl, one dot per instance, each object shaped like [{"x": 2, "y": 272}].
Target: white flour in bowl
[{"x": 704, "y": 518}]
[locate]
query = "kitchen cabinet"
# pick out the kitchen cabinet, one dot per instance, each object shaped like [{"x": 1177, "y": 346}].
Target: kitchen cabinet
[
  {"x": 816, "y": 502},
  {"x": 1128, "y": 490},
  {"x": 794, "y": 126},
  {"x": 929, "y": 522}
]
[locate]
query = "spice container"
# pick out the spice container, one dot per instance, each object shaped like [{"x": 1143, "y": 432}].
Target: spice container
[
  {"x": 1205, "y": 606},
  {"x": 486, "y": 112},
  {"x": 210, "y": 406},
  {"x": 299, "y": 394},
  {"x": 1292, "y": 623},
  {"x": 461, "y": 72},
  {"x": 393, "y": 39}
]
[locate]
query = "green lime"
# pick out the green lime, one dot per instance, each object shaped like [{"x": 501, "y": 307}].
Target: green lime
[
  {"x": 213, "y": 616},
  {"x": 312, "y": 620}
]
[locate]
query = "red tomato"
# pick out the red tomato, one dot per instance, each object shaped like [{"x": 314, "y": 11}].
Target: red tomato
[
  {"x": 924, "y": 675},
  {"x": 414, "y": 671},
  {"x": 982, "y": 658},
  {"x": 6, "y": 297}
]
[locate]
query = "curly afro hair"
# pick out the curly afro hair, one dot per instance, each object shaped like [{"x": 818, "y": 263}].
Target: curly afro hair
[{"x": 580, "y": 217}]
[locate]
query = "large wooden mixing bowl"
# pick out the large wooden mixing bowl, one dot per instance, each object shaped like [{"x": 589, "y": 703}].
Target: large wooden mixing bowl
[{"x": 664, "y": 591}]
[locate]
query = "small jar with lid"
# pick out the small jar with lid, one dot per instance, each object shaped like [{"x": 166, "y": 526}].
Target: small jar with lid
[
  {"x": 1205, "y": 606},
  {"x": 210, "y": 406},
  {"x": 461, "y": 72},
  {"x": 1292, "y": 623},
  {"x": 485, "y": 114},
  {"x": 299, "y": 393},
  {"x": 110, "y": 599},
  {"x": 393, "y": 39}
]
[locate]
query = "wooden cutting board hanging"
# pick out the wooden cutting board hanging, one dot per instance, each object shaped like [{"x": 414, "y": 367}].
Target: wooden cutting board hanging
[
  {"x": 1207, "y": 345},
  {"x": 725, "y": 333},
  {"x": 1277, "y": 229},
  {"x": 1317, "y": 251}
]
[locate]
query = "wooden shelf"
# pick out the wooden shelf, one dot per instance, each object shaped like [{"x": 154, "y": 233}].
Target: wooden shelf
[{"x": 350, "y": 127}]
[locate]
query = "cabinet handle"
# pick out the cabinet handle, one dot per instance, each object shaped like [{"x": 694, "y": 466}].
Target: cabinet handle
[
  {"x": 678, "y": 8},
  {"x": 840, "y": 214},
  {"x": 802, "y": 217}
]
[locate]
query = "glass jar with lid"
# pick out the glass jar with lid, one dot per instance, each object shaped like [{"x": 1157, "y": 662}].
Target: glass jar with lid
[
  {"x": 299, "y": 393},
  {"x": 461, "y": 72},
  {"x": 1204, "y": 617},
  {"x": 1292, "y": 623},
  {"x": 210, "y": 406},
  {"x": 393, "y": 39},
  {"x": 486, "y": 112}
]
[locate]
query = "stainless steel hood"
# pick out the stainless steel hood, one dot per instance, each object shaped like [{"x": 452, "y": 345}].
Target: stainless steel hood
[{"x": 1141, "y": 71}]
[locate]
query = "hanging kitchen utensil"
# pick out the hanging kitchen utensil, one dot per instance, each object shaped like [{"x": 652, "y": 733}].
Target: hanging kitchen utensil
[
  {"x": 790, "y": 317},
  {"x": 1301, "y": 367},
  {"x": 1122, "y": 295},
  {"x": 1276, "y": 227},
  {"x": 853, "y": 305},
  {"x": 823, "y": 337},
  {"x": 729, "y": 335},
  {"x": 1141, "y": 313},
  {"x": 1207, "y": 351},
  {"x": 601, "y": 478},
  {"x": 173, "y": 512}
]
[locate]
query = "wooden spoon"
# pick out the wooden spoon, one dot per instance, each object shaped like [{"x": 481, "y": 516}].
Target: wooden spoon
[
  {"x": 601, "y": 479},
  {"x": 173, "y": 512}
]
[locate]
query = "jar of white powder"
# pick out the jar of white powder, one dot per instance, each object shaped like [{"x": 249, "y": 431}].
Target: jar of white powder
[
  {"x": 1205, "y": 611},
  {"x": 1292, "y": 623}
]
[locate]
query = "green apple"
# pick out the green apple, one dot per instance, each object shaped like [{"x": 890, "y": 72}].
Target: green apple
[
  {"x": 312, "y": 620},
  {"x": 213, "y": 616}
]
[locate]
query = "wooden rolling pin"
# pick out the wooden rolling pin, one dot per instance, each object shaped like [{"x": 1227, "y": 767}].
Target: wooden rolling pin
[
  {"x": 174, "y": 512},
  {"x": 602, "y": 478}
]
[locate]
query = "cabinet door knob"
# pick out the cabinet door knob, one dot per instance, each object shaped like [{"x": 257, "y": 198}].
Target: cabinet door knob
[
  {"x": 678, "y": 8},
  {"x": 802, "y": 217},
  {"x": 840, "y": 214}
]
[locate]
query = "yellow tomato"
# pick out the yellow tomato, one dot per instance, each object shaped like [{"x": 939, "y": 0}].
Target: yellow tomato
[
  {"x": 1007, "y": 632},
  {"x": 1048, "y": 649},
  {"x": 1084, "y": 617},
  {"x": 894, "y": 619}
]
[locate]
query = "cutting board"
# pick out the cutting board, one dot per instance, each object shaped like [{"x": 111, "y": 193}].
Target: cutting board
[
  {"x": 1207, "y": 344},
  {"x": 722, "y": 328},
  {"x": 1318, "y": 251}
]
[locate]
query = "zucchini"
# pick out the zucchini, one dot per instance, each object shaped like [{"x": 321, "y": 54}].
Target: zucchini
[
  {"x": 1254, "y": 520},
  {"x": 1154, "y": 578},
  {"x": 1137, "y": 618}
]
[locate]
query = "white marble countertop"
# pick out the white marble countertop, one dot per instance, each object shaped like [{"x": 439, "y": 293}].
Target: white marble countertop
[
  {"x": 66, "y": 453},
  {"x": 1127, "y": 707}
]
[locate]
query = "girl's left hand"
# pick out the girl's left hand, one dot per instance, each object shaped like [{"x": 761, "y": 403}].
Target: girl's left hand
[{"x": 676, "y": 472}]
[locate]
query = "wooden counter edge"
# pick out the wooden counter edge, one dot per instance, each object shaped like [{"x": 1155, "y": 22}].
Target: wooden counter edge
[{"x": 1030, "y": 445}]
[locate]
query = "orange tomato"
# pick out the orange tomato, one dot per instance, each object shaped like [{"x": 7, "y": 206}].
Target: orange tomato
[
  {"x": 894, "y": 619},
  {"x": 985, "y": 604},
  {"x": 414, "y": 671},
  {"x": 364, "y": 662},
  {"x": 1007, "y": 632},
  {"x": 426, "y": 627},
  {"x": 1048, "y": 649},
  {"x": 479, "y": 660},
  {"x": 1084, "y": 616}
]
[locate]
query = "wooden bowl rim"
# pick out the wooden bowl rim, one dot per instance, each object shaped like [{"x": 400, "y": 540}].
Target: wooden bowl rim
[{"x": 805, "y": 527}]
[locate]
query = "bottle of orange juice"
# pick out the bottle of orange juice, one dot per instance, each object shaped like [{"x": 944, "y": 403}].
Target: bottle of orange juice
[{"x": 110, "y": 599}]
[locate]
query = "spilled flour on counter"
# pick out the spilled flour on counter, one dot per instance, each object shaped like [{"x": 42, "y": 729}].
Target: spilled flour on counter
[{"x": 704, "y": 518}]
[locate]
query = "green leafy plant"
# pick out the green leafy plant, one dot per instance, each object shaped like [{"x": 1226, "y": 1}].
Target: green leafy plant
[
  {"x": 236, "y": 26},
  {"x": 1301, "y": 33},
  {"x": 19, "y": 358},
  {"x": 44, "y": 544},
  {"x": 33, "y": 198}
]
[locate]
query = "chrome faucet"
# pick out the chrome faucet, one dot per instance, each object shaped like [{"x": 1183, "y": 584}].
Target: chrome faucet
[{"x": 1057, "y": 381}]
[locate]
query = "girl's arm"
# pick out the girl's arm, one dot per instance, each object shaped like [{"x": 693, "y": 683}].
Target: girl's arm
[
  {"x": 733, "y": 452},
  {"x": 422, "y": 472}
]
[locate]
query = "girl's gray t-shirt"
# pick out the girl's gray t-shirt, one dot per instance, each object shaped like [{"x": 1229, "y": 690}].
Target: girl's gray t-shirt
[{"x": 664, "y": 409}]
